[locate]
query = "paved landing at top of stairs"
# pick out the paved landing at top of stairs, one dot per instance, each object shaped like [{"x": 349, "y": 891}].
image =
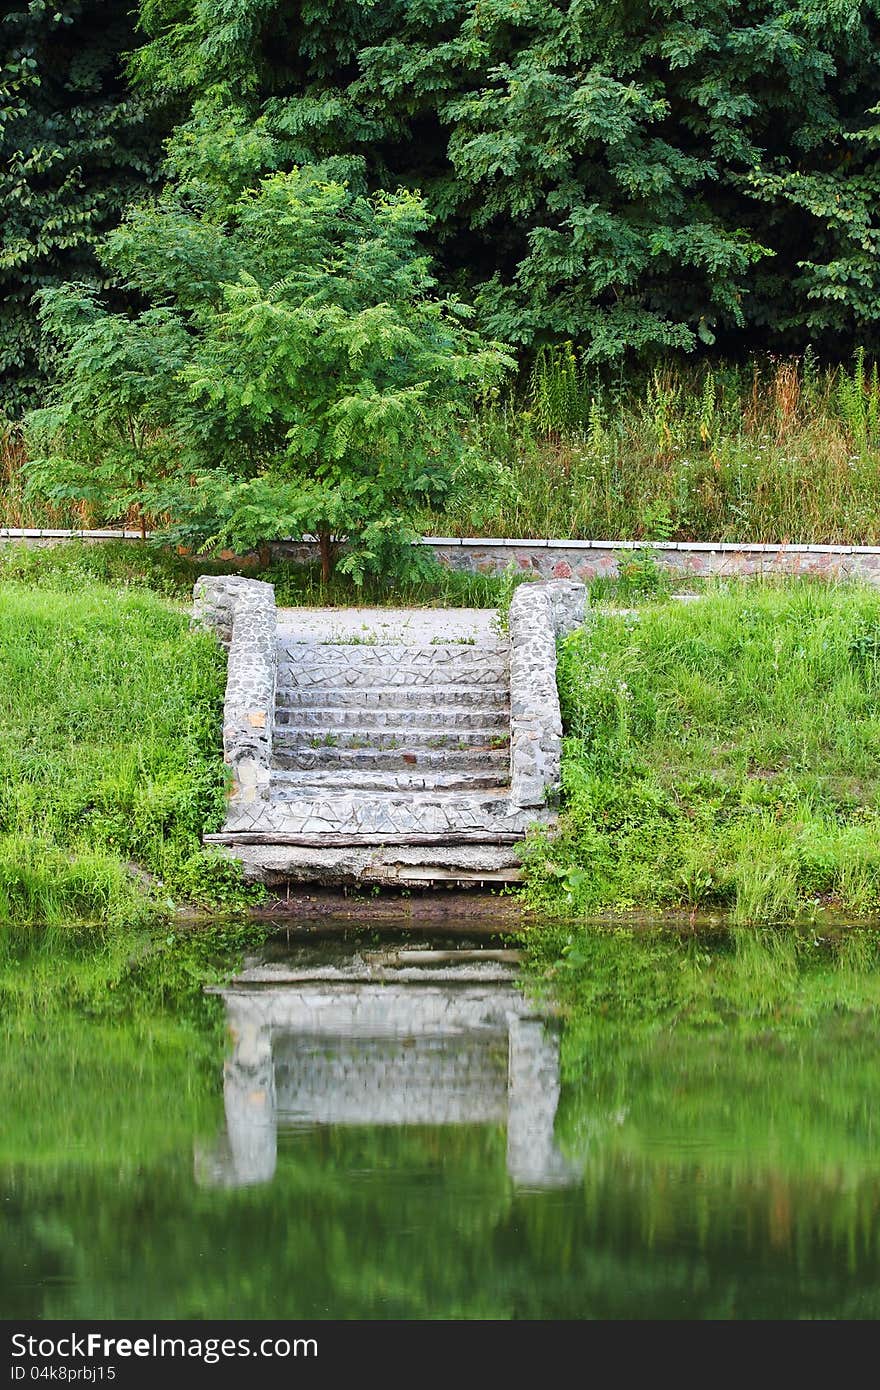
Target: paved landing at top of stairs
[{"x": 392, "y": 625}]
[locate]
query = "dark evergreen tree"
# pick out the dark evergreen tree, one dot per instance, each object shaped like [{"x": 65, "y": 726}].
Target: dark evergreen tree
[
  {"x": 643, "y": 175},
  {"x": 76, "y": 147}
]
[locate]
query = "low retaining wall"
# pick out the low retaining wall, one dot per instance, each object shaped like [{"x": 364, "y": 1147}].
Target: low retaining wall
[
  {"x": 242, "y": 614},
  {"x": 30, "y": 535},
  {"x": 586, "y": 560},
  {"x": 539, "y": 613},
  {"x": 561, "y": 559}
]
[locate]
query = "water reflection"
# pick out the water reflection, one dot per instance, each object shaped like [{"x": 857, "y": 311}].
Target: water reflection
[
  {"x": 391, "y": 1149},
  {"x": 331, "y": 1053}
]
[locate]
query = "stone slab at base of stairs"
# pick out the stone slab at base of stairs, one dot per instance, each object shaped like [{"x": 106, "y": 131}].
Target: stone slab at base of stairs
[{"x": 392, "y": 867}]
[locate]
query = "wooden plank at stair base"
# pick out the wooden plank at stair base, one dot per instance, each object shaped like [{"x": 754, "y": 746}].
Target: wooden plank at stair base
[
  {"x": 427, "y": 873},
  {"x": 340, "y": 840}
]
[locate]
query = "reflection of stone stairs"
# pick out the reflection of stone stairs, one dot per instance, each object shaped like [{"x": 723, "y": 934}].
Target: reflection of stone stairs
[{"x": 350, "y": 1044}]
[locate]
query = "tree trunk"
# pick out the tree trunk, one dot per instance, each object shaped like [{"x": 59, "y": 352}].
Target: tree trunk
[
  {"x": 326, "y": 547},
  {"x": 140, "y": 506}
]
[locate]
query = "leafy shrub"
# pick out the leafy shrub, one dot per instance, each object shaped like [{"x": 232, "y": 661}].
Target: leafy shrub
[{"x": 295, "y": 375}]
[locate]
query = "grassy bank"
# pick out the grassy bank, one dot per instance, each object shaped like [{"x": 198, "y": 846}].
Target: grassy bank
[
  {"x": 766, "y": 451},
  {"x": 110, "y": 755},
  {"x": 723, "y": 753},
  {"x": 110, "y": 727},
  {"x": 135, "y": 566}
]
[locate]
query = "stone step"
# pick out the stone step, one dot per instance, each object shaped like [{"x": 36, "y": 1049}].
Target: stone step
[
  {"x": 319, "y": 738},
  {"x": 464, "y": 864},
  {"x": 291, "y": 649},
  {"x": 308, "y": 719},
  {"x": 294, "y": 811},
  {"x": 300, "y": 784},
  {"x": 314, "y": 666},
  {"x": 331, "y": 759},
  {"x": 291, "y": 696}
]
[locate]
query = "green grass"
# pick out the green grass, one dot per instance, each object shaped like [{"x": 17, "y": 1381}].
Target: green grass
[
  {"x": 110, "y": 725},
  {"x": 721, "y": 753},
  {"x": 131, "y": 565},
  {"x": 768, "y": 451},
  {"x": 110, "y": 754}
]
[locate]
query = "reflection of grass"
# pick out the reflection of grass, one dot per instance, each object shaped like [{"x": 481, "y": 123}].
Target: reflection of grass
[
  {"x": 754, "y": 1049},
  {"x": 724, "y": 752},
  {"x": 109, "y": 1052},
  {"x": 747, "y": 978},
  {"x": 793, "y": 1105},
  {"x": 114, "y": 973},
  {"x": 400, "y": 1223},
  {"x": 725, "y": 1082},
  {"x": 100, "y": 1095}
]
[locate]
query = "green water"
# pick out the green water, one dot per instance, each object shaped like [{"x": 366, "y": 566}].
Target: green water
[{"x": 708, "y": 1174}]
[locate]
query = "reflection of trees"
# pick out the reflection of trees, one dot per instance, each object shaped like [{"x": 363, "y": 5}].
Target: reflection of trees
[
  {"x": 413, "y": 1223},
  {"x": 724, "y": 1175}
]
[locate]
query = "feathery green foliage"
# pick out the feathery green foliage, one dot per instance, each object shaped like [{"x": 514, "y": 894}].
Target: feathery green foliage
[
  {"x": 76, "y": 147},
  {"x": 294, "y": 375},
  {"x": 635, "y": 177}
]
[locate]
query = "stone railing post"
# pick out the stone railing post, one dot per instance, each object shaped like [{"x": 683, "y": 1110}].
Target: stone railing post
[
  {"x": 539, "y": 613},
  {"x": 242, "y": 614}
]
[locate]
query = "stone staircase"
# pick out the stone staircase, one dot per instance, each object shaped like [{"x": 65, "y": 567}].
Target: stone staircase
[
  {"x": 380, "y": 743},
  {"x": 390, "y": 719},
  {"x": 377, "y": 759}
]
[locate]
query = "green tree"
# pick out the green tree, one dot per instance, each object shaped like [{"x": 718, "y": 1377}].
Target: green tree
[
  {"x": 295, "y": 373},
  {"x": 648, "y": 176},
  {"x": 76, "y": 146}
]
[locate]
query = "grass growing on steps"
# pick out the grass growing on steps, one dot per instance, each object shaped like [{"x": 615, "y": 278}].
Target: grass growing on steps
[
  {"x": 724, "y": 752},
  {"x": 110, "y": 754}
]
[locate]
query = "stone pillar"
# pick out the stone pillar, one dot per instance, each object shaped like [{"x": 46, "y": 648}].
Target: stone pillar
[
  {"x": 242, "y": 614},
  {"x": 247, "y": 1153},
  {"x": 539, "y": 613}
]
